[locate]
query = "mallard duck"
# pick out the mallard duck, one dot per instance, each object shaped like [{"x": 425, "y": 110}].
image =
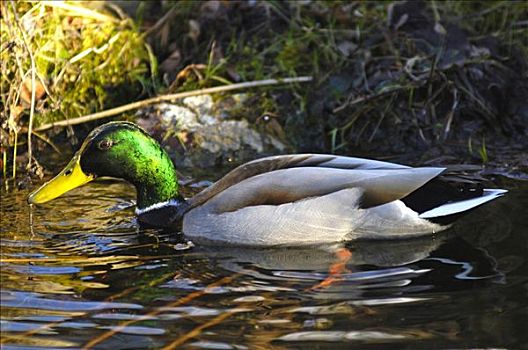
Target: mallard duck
[{"x": 280, "y": 200}]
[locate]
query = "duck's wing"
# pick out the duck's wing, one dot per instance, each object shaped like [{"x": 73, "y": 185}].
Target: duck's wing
[
  {"x": 309, "y": 205},
  {"x": 377, "y": 186},
  {"x": 270, "y": 164}
]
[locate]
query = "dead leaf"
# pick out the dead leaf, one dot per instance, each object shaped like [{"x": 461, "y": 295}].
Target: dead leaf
[
  {"x": 346, "y": 48},
  {"x": 25, "y": 93},
  {"x": 164, "y": 34},
  {"x": 186, "y": 72},
  {"x": 217, "y": 54},
  {"x": 439, "y": 28},
  {"x": 233, "y": 74},
  {"x": 16, "y": 111},
  {"x": 194, "y": 30},
  {"x": 172, "y": 62},
  {"x": 270, "y": 123}
]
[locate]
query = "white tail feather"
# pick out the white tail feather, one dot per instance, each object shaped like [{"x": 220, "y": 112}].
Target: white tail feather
[{"x": 464, "y": 205}]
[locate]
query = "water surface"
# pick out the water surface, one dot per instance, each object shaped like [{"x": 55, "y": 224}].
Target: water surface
[{"x": 78, "y": 272}]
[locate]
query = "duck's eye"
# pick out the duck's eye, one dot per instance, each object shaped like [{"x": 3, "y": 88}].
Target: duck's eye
[{"x": 105, "y": 144}]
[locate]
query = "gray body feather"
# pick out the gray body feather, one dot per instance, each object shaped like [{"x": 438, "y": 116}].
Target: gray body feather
[{"x": 309, "y": 199}]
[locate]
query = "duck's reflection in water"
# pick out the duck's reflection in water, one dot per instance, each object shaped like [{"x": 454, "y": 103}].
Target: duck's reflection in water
[{"x": 375, "y": 267}]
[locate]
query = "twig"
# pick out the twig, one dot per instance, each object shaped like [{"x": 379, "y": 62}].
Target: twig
[
  {"x": 48, "y": 141},
  {"x": 451, "y": 113},
  {"x": 380, "y": 120},
  {"x": 160, "y": 22},
  {"x": 15, "y": 148},
  {"x": 33, "y": 85},
  {"x": 13, "y": 94},
  {"x": 366, "y": 98},
  {"x": 4, "y": 164},
  {"x": 32, "y": 108},
  {"x": 171, "y": 97},
  {"x": 97, "y": 50}
]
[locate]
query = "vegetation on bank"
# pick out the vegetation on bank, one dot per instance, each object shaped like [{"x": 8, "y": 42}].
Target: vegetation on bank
[
  {"x": 77, "y": 59},
  {"x": 420, "y": 79}
]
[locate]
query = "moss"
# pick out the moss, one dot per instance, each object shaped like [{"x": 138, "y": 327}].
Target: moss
[{"x": 87, "y": 63}]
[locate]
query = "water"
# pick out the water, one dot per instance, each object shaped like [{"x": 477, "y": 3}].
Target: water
[{"x": 78, "y": 272}]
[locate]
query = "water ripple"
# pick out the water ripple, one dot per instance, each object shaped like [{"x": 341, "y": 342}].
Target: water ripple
[{"x": 17, "y": 299}]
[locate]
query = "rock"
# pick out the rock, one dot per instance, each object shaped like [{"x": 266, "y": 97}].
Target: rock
[
  {"x": 177, "y": 116},
  {"x": 202, "y": 104},
  {"x": 201, "y": 133}
]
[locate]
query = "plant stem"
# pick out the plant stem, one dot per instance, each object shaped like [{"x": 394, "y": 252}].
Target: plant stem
[{"x": 33, "y": 86}]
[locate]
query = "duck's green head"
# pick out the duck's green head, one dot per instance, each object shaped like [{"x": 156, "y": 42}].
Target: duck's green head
[{"x": 120, "y": 150}]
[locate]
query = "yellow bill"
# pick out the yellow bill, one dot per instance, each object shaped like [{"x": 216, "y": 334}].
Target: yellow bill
[{"x": 69, "y": 178}]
